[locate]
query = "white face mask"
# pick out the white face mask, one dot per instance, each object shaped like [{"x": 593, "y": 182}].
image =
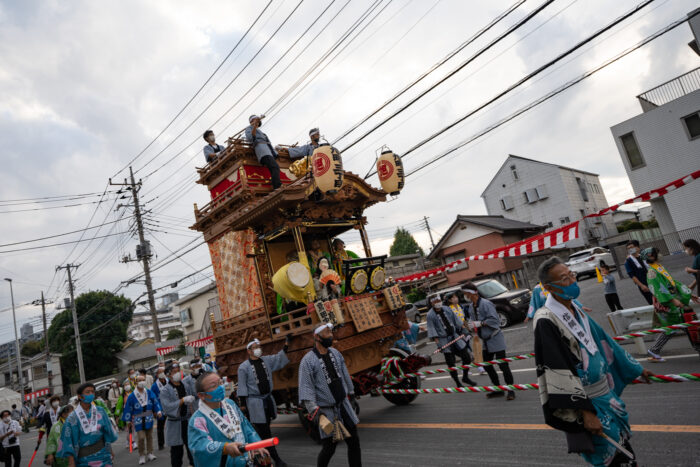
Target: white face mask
[
  {"x": 127, "y": 388},
  {"x": 114, "y": 385},
  {"x": 177, "y": 377},
  {"x": 55, "y": 404},
  {"x": 6, "y": 419},
  {"x": 633, "y": 251},
  {"x": 257, "y": 352},
  {"x": 141, "y": 384}
]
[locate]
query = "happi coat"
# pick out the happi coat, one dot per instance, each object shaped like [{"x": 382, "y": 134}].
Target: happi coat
[
  {"x": 490, "y": 330},
  {"x": 52, "y": 442},
  {"x": 206, "y": 441},
  {"x": 74, "y": 436},
  {"x": 261, "y": 143},
  {"x": 665, "y": 288},
  {"x": 248, "y": 385},
  {"x": 437, "y": 329},
  {"x": 306, "y": 150},
  {"x": 314, "y": 387},
  {"x": 170, "y": 403},
  {"x": 141, "y": 409},
  {"x": 573, "y": 378}
]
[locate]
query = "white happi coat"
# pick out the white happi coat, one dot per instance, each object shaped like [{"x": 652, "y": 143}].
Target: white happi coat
[{"x": 248, "y": 386}]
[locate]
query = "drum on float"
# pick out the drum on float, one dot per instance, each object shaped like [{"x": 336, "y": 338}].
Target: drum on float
[{"x": 291, "y": 281}]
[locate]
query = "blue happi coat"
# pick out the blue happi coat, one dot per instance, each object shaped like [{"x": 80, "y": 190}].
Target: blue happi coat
[
  {"x": 206, "y": 441},
  {"x": 571, "y": 379},
  {"x": 314, "y": 390},
  {"x": 141, "y": 416},
  {"x": 248, "y": 386},
  {"x": 73, "y": 438}
]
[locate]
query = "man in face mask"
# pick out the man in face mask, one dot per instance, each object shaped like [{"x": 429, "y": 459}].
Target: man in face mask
[
  {"x": 179, "y": 404},
  {"x": 113, "y": 394},
  {"x": 444, "y": 326},
  {"x": 306, "y": 150},
  {"x": 637, "y": 269},
  {"x": 139, "y": 412},
  {"x": 130, "y": 382},
  {"x": 265, "y": 153},
  {"x": 327, "y": 393},
  {"x": 488, "y": 325},
  {"x": 51, "y": 413},
  {"x": 255, "y": 389},
  {"x": 9, "y": 432},
  {"x": 158, "y": 385}
]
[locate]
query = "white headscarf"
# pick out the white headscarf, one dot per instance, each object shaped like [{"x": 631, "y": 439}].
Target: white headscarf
[
  {"x": 323, "y": 326},
  {"x": 251, "y": 343}
]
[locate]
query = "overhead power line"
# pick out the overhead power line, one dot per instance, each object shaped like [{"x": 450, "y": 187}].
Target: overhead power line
[
  {"x": 58, "y": 244},
  {"x": 430, "y": 70},
  {"x": 245, "y": 34},
  {"x": 49, "y": 199},
  {"x": 58, "y": 235},
  {"x": 481, "y": 51},
  {"x": 555, "y": 92}
]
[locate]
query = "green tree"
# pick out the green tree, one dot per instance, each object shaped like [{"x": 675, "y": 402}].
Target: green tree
[
  {"x": 174, "y": 334},
  {"x": 31, "y": 348},
  {"x": 404, "y": 244},
  {"x": 102, "y": 321},
  {"x": 415, "y": 294}
]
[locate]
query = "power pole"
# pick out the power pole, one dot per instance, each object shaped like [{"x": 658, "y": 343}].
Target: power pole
[
  {"x": 46, "y": 343},
  {"x": 145, "y": 251},
  {"x": 430, "y": 234},
  {"x": 17, "y": 349},
  {"x": 78, "y": 347}
]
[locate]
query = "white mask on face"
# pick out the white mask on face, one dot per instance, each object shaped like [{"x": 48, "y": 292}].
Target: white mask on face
[
  {"x": 55, "y": 404},
  {"x": 114, "y": 385},
  {"x": 257, "y": 352},
  {"x": 142, "y": 384},
  {"x": 177, "y": 377},
  {"x": 127, "y": 388},
  {"x": 6, "y": 419}
]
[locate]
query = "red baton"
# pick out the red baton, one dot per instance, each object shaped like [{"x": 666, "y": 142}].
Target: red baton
[{"x": 265, "y": 443}]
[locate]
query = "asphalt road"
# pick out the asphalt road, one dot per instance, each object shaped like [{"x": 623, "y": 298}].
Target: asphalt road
[{"x": 468, "y": 429}]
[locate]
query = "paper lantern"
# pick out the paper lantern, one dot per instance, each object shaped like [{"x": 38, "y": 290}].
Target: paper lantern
[
  {"x": 291, "y": 281},
  {"x": 327, "y": 167},
  {"x": 390, "y": 172}
]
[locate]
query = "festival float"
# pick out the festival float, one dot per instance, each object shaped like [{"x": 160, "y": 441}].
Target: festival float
[{"x": 280, "y": 273}]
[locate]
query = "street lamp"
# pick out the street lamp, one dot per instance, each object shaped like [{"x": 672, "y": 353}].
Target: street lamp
[{"x": 19, "y": 358}]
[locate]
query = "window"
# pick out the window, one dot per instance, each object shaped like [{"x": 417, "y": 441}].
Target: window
[
  {"x": 634, "y": 156},
  {"x": 454, "y": 257},
  {"x": 39, "y": 372},
  {"x": 541, "y": 192},
  {"x": 530, "y": 196},
  {"x": 185, "y": 315},
  {"x": 507, "y": 203},
  {"x": 564, "y": 220},
  {"x": 582, "y": 188},
  {"x": 514, "y": 172},
  {"x": 692, "y": 125}
]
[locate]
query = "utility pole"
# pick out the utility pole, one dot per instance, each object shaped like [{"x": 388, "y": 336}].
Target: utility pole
[
  {"x": 430, "y": 234},
  {"x": 46, "y": 343},
  {"x": 145, "y": 250},
  {"x": 78, "y": 347},
  {"x": 19, "y": 357}
]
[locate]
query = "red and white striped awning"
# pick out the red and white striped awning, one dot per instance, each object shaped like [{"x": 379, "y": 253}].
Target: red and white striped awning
[
  {"x": 200, "y": 342},
  {"x": 165, "y": 350},
  {"x": 550, "y": 239},
  {"x": 35, "y": 394}
]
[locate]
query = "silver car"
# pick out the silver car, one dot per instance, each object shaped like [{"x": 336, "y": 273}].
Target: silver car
[{"x": 584, "y": 262}]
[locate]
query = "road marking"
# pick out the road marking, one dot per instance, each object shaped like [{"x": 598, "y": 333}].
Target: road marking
[
  {"x": 533, "y": 369},
  {"x": 502, "y": 426}
]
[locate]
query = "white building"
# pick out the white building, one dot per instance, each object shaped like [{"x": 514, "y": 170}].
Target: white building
[
  {"x": 550, "y": 195},
  {"x": 141, "y": 326},
  {"x": 194, "y": 310},
  {"x": 662, "y": 144},
  {"x": 35, "y": 374}
]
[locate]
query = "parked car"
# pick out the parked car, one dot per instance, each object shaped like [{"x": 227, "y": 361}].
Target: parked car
[
  {"x": 413, "y": 314},
  {"x": 584, "y": 262},
  {"x": 511, "y": 305}
]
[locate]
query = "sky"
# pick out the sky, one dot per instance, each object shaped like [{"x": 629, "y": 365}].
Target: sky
[{"x": 86, "y": 86}]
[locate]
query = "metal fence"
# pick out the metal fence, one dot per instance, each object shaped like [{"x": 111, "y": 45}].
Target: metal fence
[{"x": 670, "y": 90}]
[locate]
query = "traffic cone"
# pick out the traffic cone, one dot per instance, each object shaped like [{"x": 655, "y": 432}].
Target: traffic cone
[{"x": 598, "y": 275}]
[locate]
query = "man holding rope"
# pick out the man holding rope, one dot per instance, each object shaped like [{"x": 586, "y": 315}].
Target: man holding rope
[
  {"x": 445, "y": 328},
  {"x": 581, "y": 373}
]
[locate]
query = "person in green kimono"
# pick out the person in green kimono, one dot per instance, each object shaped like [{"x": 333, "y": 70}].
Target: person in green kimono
[
  {"x": 670, "y": 299},
  {"x": 54, "y": 438}
]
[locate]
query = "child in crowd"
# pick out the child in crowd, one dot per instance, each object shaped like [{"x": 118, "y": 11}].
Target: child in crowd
[{"x": 611, "y": 297}]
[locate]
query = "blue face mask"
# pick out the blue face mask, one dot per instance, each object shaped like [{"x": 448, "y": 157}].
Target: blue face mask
[
  {"x": 88, "y": 398},
  {"x": 569, "y": 292},
  {"x": 218, "y": 394}
]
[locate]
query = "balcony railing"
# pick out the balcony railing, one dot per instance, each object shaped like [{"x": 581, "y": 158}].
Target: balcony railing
[{"x": 670, "y": 90}]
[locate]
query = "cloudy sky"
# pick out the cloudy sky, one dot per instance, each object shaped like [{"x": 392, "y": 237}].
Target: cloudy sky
[{"x": 85, "y": 86}]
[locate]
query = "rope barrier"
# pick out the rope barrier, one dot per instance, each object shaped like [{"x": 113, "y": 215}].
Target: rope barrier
[
  {"x": 680, "y": 378},
  {"x": 656, "y": 330}
]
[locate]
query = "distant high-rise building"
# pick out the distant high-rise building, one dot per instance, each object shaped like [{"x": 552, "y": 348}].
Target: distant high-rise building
[{"x": 26, "y": 331}]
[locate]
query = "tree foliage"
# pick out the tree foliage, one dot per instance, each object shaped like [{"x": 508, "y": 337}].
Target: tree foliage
[
  {"x": 174, "y": 334},
  {"x": 102, "y": 319},
  {"x": 31, "y": 348},
  {"x": 404, "y": 244},
  {"x": 415, "y": 294}
]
